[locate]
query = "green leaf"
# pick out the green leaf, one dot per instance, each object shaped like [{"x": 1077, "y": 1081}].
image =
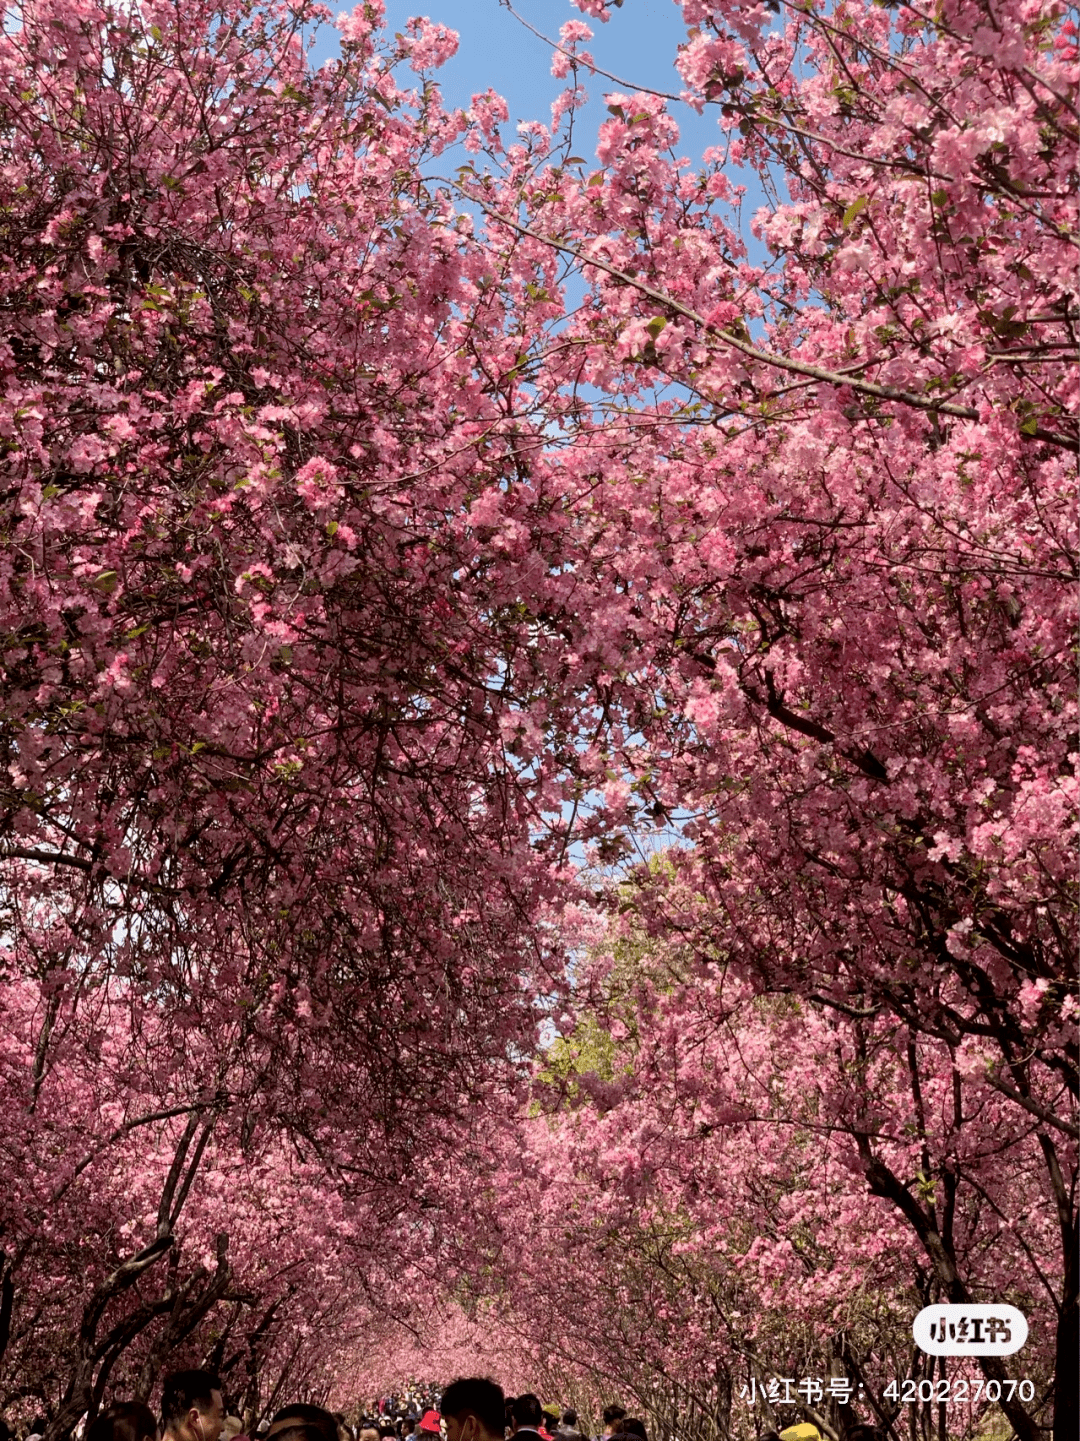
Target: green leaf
[
  {"x": 855, "y": 208},
  {"x": 105, "y": 582},
  {"x": 597, "y": 179},
  {"x": 1029, "y": 426},
  {"x": 331, "y": 527},
  {"x": 656, "y": 325},
  {"x": 50, "y": 491}
]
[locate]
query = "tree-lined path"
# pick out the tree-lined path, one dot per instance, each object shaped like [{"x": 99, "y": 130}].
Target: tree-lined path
[{"x": 538, "y": 711}]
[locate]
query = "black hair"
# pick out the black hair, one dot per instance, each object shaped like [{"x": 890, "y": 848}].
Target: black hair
[
  {"x": 477, "y": 1396},
  {"x": 634, "y": 1426},
  {"x": 184, "y": 1389},
  {"x": 310, "y": 1416},
  {"x": 569, "y": 1419},
  {"x": 300, "y": 1431},
  {"x": 613, "y": 1414},
  {"x": 527, "y": 1410}
]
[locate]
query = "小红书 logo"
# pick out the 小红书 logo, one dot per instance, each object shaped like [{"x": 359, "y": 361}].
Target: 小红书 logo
[{"x": 969, "y": 1330}]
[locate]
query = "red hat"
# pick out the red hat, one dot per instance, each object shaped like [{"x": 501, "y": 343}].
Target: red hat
[{"x": 429, "y": 1422}]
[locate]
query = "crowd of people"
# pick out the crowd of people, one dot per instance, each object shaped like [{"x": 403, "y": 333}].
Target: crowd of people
[
  {"x": 474, "y": 1408},
  {"x": 193, "y": 1408}
]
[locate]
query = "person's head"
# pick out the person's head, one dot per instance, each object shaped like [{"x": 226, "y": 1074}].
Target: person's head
[
  {"x": 613, "y": 1417},
  {"x": 568, "y": 1420},
  {"x": 369, "y": 1431},
  {"x": 300, "y": 1431},
  {"x": 192, "y": 1408},
  {"x": 634, "y": 1426},
  {"x": 474, "y": 1409},
  {"x": 526, "y": 1411},
  {"x": 123, "y": 1421},
  {"x": 299, "y": 1413}
]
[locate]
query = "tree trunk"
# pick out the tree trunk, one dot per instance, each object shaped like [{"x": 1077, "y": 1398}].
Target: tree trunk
[
  {"x": 7, "y": 1302},
  {"x": 1067, "y": 1358}
]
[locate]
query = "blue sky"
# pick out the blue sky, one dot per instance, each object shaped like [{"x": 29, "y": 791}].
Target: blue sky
[{"x": 638, "y": 44}]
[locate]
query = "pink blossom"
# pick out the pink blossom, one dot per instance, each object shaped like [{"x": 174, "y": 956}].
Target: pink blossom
[{"x": 429, "y": 45}]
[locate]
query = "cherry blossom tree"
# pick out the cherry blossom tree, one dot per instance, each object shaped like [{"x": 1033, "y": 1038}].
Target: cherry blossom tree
[
  {"x": 260, "y": 843},
  {"x": 397, "y": 553},
  {"x": 690, "y": 1193},
  {"x": 822, "y": 622},
  {"x": 147, "y": 1222}
]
